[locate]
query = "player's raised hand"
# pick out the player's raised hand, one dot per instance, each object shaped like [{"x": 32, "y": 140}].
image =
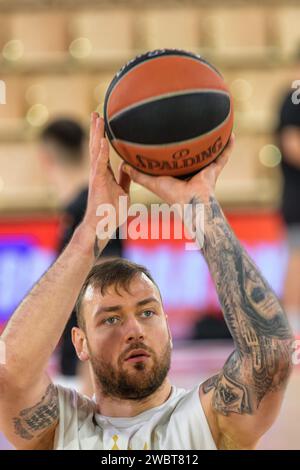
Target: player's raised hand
[
  {"x": 104, "y": 189},
  {"x": 173, "y": 190}
]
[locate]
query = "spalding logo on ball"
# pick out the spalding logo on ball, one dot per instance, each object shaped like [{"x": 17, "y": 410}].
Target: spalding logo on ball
[{"x": 168, "y": 112}]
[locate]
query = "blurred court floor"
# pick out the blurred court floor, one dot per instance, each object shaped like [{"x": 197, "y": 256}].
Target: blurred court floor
[{"x": 194, "y": 362}]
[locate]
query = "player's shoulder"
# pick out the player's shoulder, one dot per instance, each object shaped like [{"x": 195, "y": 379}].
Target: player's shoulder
[
  {"x": 73, "y": 404},
  {"x": 76, "y": 414},
  {"x": 182, "y": 397}
]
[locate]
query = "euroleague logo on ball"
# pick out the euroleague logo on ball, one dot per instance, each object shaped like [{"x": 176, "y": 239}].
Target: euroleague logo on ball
[
  {"x": 181, "y": 158},
  {"x": 180, "y": 154}
]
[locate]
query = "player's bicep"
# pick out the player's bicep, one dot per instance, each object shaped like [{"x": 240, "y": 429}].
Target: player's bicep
[
  {"x": 29, "y": 419},
  {"x": 240, "y": 406}
]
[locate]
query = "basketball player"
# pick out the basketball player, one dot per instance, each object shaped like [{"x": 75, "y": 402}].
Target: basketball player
[{"x": 123, "y": 333}]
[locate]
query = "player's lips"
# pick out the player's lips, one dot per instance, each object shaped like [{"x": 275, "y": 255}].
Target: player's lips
[{"x": 137, "y": 355}]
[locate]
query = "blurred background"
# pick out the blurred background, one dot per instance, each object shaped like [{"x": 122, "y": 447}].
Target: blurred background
[{"x": 56, "y": 62}]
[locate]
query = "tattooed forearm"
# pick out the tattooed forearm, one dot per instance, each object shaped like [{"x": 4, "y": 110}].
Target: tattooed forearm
[
  {"x": 259, "y": 327},
  {"x": 32, "y": 421}
]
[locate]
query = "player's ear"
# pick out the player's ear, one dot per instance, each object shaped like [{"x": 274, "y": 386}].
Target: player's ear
[
  {"x": 80, "y": 344},
  {"x": 170, "y": 334}
]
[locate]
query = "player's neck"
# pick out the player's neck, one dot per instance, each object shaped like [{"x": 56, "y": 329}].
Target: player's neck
[{"x": 115, "y": 407}]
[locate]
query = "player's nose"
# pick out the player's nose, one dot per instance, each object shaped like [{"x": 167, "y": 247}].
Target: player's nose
[{"x": 133, "y": 330}]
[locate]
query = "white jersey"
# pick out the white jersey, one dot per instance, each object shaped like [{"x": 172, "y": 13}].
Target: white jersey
[{"x": 177, "y": 424}]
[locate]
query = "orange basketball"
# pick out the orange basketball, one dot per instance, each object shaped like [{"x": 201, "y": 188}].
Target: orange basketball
[{"x": 168, "y": 112}]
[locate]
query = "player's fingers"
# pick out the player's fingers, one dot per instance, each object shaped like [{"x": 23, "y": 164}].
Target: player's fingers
[
  {"x": 164, "y": 187},
  {"x": 93, "y": 120},
  {"x": 97, "y": 136},
  {"x": 224, "y": 157},
  {"x": 149, "y": 182},
  {"x": 124, "y": 178},
  {"x": 103, "y": 157}
]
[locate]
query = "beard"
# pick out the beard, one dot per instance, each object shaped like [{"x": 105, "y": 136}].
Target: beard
[{"x": 138, "y": 380}]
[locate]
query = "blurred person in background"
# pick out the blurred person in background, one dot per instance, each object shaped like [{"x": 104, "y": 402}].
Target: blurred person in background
[
  {"x": 288, "y": 137},
  {"x": 63, "y": 151}
]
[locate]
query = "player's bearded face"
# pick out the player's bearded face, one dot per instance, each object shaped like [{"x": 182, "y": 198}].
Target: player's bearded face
[{"x": 132, "y": 380}]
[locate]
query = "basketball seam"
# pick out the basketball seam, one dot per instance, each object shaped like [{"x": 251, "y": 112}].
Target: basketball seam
[{"x": 167, "y": 95}]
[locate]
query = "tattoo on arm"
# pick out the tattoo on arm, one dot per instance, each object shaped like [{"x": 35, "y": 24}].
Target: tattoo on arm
[
  {"x": 261, "y": 361},
  {"x": 39, "y": 417}
]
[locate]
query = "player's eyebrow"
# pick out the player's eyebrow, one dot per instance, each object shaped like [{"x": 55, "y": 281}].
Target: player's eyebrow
[
  {"x": 148, "y": 300},
  {"x": 117, "y": 308}
]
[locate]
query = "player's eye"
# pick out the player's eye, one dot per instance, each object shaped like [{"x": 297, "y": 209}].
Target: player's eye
[
  {"x": 110, "y": 320},
  {"x": 147, "y": 313}
]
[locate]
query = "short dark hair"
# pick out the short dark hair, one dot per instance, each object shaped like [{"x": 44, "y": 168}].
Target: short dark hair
[
  {"x": 118, "y": 272},
  {"x": 68, "y": 136}
]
